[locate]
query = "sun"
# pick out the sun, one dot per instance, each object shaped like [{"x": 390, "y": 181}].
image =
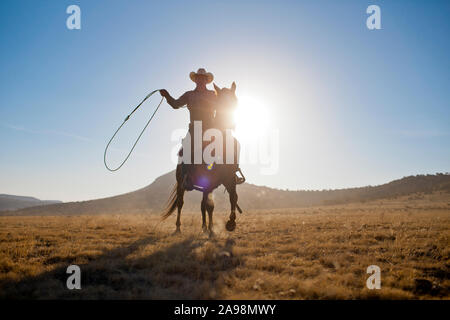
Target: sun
[{"x": 251, "y": 118}]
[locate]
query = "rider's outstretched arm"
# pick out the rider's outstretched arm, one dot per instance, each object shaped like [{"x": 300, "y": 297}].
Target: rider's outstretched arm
[{"x": 175, "y": 103}]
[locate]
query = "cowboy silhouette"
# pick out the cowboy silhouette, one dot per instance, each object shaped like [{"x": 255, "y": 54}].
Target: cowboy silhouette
[{"x": 201, "y": 103}]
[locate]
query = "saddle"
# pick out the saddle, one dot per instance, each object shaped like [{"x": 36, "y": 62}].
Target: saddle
[{"x": 189, "y": 171}]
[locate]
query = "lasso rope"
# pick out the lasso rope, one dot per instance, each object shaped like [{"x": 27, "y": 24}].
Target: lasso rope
[{"x": 126, "y": 119}]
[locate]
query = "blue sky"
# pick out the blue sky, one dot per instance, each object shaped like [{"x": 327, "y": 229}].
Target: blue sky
[{"x": 353, "y": 106}]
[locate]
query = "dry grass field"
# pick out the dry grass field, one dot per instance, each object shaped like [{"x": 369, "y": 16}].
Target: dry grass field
[{"x": 311, "y": 253}]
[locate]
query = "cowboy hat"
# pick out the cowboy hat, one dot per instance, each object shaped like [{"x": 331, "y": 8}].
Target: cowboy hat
[{"x": 201, "y": 72}]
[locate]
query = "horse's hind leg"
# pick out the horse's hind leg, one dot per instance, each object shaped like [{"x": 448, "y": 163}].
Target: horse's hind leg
[
  {"x": 231, "y": 188},
  {"x": 180, "y": 202}
]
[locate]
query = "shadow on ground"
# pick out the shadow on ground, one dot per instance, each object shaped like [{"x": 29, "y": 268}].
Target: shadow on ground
[{"x": 188, "y": 268}]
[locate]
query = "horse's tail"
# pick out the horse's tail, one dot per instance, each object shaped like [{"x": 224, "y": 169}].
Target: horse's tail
[{"x": 171, "y": 203}]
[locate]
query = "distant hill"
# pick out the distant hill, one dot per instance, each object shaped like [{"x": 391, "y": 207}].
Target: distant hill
[
  {"x": 12, "y": 202},
  {"x": 152, "y": 198}
]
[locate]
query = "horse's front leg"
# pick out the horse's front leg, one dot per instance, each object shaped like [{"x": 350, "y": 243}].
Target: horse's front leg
[
  {"x": 231, "y": 223},
  {"x": 203, "y": 209},
  {"x": 209, "y": 205}
]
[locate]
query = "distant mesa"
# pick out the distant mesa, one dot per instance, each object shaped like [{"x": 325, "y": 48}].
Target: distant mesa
[
  {"x": 152, "y": 199},
  {"x": 12, "y": 202}
]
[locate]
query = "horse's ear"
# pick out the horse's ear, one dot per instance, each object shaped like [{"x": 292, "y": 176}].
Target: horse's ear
[
  {"x": 233, "y": 86},
  {"x": 216, "y": 88}
]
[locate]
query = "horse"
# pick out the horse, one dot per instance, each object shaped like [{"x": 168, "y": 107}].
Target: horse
[{"x": 207, "y": 177}]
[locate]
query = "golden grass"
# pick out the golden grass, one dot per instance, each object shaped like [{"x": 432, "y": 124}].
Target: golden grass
[{"x": 311, "y": 253}]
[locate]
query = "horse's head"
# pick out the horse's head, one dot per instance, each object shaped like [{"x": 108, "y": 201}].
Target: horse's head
[{"x": 226, "y": 97}]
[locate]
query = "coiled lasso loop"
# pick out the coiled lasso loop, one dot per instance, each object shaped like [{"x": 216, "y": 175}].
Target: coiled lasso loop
[{"x": 135, "y": 143}]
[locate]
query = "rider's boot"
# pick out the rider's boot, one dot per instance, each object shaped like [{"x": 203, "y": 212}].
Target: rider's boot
[{"x": 240, "y": 179}]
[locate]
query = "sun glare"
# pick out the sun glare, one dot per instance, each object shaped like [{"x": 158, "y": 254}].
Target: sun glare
[{"x": 251, "y": 117}]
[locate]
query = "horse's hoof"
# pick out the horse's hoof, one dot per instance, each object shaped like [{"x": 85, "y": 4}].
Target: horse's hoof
[
  {"x": 231, "y": 225},
  {"x": 178, "y": 231},
  {"x": 205, "y": 230},
  {"x": 211, "y": 234}
]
